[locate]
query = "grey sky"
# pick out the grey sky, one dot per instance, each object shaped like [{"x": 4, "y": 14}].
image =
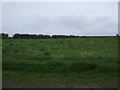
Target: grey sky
[{"x": 61, "y": 18}]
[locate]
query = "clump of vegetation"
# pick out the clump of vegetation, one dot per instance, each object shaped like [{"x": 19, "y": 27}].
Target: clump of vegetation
[
  {"x": 11, "y": 44},
  {"x": 31, "y": 44},
  {"x": 78, "y": 67},
  {"x": 61, "y": 42},
  {"x": 46, "y": 53}
]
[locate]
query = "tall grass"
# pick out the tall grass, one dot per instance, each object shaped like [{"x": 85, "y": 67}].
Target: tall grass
[{"x": 61, "y": 55}]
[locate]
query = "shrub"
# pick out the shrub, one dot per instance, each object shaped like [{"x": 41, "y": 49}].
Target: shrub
[{"x": 78, "y": 67}]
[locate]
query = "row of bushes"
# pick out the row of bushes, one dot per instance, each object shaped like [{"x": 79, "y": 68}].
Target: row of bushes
[
  {"x": 34, "y": 36},
  {"x": 41, "y": 36},
  {"x": 56, "y": 67}
]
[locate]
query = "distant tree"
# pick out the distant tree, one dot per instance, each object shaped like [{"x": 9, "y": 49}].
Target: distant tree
[
  {"x": 3, "y": 36},
  {"x": 64, "y": 36},
  {"x": 40, "y": 36},
  {"x": 47, "y": 36},
  {"x": 17, "y": 36}
]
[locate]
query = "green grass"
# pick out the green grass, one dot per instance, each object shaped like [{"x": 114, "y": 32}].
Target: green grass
[{"x": 70, "y": 62}]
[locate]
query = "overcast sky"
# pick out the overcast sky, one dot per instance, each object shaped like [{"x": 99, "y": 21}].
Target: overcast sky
[{"x": 100, "y": 18}]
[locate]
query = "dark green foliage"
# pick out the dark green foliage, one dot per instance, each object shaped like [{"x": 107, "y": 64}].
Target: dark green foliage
[
  {"x": 16, "y": 36},
  {"x": 30, "y": 36},
  {"x": 3, "y": 36},
  {"x": 61, "y": 42},
  {"x": 41, "y": 36},
  {"x": 78, "y": 67},
  {"x": 64, "y": 36},
  {"x": 35, "y": 36}
]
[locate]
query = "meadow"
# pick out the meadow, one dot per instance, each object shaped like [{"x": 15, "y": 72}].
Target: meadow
[{"x": 72, "y": 62}]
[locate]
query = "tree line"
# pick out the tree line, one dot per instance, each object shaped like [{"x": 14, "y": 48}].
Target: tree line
[
  {"x": 34, "y": 36},
  {"x": 41, "y": 36}
]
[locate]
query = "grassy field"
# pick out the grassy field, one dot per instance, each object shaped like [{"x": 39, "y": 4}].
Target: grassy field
[{"x": 75, "y": 62}]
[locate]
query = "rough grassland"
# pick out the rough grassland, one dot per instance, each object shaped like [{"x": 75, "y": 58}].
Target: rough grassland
[{"x": 75, "y": 62}]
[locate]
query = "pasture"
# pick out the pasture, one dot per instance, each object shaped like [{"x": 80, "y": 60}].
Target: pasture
[{"x": 73, "y": 62}]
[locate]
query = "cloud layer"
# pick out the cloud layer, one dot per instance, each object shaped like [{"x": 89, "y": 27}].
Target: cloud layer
[
  {"x": 61, "y": 18},
  {"x": 78, "y": 25}
]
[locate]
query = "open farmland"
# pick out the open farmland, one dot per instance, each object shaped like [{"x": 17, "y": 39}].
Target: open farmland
[{"x": 73, "y": 62}]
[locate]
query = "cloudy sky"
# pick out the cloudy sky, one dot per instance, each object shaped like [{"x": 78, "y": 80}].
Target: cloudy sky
[{"x": 88, "y": 18}]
